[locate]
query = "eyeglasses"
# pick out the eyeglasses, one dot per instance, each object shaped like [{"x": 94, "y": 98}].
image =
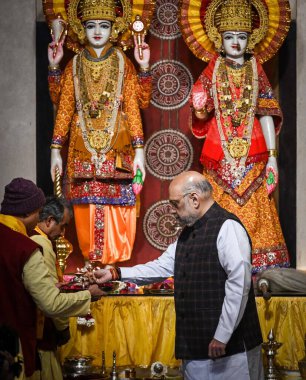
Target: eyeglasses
[{"x": 175, "y": 202}]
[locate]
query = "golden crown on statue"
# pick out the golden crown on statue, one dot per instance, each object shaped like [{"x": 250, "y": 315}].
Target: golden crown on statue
[
  {"x": 236, "y": 16},
  {"x": 97, "y": 10},
  {"x": 80, "y": 11}
]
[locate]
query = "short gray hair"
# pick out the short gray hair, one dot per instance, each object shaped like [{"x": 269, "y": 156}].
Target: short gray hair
[
  {"x": 55, "y": 207},
  {"x": 202, "y": 187}
]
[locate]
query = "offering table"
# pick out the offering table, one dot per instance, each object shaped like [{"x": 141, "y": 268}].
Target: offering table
[{"x": 141, "y": 329}]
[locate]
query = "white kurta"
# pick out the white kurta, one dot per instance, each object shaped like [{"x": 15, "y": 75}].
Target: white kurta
[{"x": 234, "y": 254}]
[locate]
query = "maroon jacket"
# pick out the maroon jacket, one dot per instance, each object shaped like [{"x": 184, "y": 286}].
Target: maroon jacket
[{"x": 17, "y": 308}]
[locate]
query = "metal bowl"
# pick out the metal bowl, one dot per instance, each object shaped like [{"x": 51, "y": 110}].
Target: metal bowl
[{"x": 78, "y": 364}]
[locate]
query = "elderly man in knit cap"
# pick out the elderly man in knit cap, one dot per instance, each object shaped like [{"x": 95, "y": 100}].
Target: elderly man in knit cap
[{"x": 25, "y": 281}]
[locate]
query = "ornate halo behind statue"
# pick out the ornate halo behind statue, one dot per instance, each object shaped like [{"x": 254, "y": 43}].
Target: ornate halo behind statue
[
  {"x": 126, "y": 11},
  {"x": 199, "y": 21}
]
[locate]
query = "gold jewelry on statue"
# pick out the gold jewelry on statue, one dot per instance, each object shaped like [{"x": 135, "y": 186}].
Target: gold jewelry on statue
[
  {"x": 232, "y": 76},
  {"x": 98, "y": 84},
  {"x": 236, "y": 74},
  {"x": 235, "y": 112},
  {"x": 54, "y": 67},
  {"x": 55, "y": 146},
  {"x": 235, "y": 15},
  {"x": 99, "y": 139},
  {"x": 98, "y": 10},
  {"x": 144, "y": 69},
  {"x": 201, "y": 114},
  {"x": 238, "y": 147},
  {"x": 272, "y": 152}
]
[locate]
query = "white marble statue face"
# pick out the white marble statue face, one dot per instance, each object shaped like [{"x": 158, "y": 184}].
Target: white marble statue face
[
  {"x": 98, "y": 32},
  {"x": 235, "y": 44}
]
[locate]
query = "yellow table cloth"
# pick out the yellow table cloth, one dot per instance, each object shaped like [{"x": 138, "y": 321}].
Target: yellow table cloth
[
  {"x": 141, "y": 329},
  {"x": 287, "y": 317}
]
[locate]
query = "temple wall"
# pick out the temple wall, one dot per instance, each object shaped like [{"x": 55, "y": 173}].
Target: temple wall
[{"x": 17, "y": 91}]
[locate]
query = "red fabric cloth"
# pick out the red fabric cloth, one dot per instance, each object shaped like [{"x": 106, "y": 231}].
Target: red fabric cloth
[
  {"x": 18, "y": 309},
  {"x": 212, "y": 150}
]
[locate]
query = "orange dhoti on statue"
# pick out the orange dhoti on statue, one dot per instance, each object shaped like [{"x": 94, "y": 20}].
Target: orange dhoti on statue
[
  {"x": 107, "y": 229},
  {"x": 102, "y": 135}
]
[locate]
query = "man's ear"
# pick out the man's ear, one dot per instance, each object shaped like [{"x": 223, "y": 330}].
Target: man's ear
[
  {"x": 195, "y": 199},
  {"x": 49, "y": 220}
]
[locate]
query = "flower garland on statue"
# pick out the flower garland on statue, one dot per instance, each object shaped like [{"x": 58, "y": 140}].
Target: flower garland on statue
[
  {"x": 235, "y": 112},
  {"x": 90, "y": 102}
]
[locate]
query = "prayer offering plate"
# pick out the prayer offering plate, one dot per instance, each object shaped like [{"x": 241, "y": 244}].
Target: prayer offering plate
[
  {"x": 107, "y": 286},
  {"x": 165, "y": 287},
  {"x": 112, "y": 286}
]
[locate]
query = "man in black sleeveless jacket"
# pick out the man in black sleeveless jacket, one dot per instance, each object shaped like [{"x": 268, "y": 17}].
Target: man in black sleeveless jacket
[{"x": 217, "y": 328}]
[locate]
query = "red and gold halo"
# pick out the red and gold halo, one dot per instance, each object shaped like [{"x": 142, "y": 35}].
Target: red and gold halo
[
  {"x": 53, "y": 8},
  {"x": 192, "y": 25}
]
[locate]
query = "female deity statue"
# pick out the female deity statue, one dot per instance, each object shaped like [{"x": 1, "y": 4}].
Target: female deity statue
[
  {"x": 98, "y": 99},
  {"x": 234, "y": 109}
]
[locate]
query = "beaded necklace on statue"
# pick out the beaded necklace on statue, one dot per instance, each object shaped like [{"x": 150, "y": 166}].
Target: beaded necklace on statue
[
  {"x": 235, "y": 91},
  {"x": 98, "y": 86}
]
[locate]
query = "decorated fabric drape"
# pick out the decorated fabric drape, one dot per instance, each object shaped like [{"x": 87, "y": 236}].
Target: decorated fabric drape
[
  {"x": 287, "y": 317},
  {"x": 141, "y": 329}
]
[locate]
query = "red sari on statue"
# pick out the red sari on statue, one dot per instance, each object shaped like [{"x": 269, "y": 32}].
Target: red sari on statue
[{"x": 239, "y": 182}]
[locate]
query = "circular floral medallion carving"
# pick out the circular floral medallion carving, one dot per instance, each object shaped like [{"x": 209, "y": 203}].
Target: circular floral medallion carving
[
  {"x": 168, "y": 153},
  {"x": 172, "y": 83},
  {"x": 160, "y": 226},
  {"x": 164, "y": 24}
]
